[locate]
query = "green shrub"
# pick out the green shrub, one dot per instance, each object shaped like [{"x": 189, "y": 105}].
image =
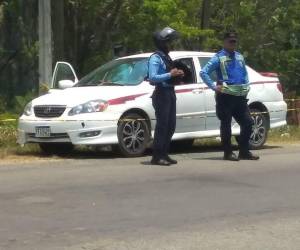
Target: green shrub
[
  {"x": 8, "y": 134},
  {"x": 21, "y": 101},
  {"x": 3, "y": 104},
  {"x": 285, "y": 134}
]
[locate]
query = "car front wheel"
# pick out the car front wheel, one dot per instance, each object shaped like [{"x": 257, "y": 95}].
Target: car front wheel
[{"x": 133, "y": 135}]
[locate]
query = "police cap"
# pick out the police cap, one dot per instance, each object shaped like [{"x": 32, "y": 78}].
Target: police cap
[{"x": 231, "y": 35}]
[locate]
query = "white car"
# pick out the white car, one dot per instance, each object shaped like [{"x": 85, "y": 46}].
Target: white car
[{"x": 112, "y": 106}]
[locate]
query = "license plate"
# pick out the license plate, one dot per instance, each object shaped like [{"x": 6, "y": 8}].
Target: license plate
[{"x": 42, "y": 132}]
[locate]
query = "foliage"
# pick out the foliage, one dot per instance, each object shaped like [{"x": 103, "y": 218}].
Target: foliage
[
  {"x": 18, "y": 50},
  {"x": 21, "y": 101},
  {"x": 8, "y": 130},
  {"x": 8, "y": 135},
  {"x": 2, "y": 104},
  {"x": 286, "y": 134},
  {"x": 8, "y": 139},
  {"x": 86, "y": 32},
  {"x": 269, "y": 34}
]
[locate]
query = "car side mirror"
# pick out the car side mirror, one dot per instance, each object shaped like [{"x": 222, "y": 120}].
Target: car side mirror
[{"x": 64, "y": 84}]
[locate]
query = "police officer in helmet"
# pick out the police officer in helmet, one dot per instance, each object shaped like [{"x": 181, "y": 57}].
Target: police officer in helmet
[{"x": 162, "y": 75}]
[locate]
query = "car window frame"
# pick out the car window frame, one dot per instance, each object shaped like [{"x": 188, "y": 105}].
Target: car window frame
[
  {"x": 215, "y": 77},
  {"x": 193, "y": 65}
]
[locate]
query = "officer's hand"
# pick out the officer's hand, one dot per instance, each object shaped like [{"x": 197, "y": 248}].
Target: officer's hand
[
  {"x": 218, "y": 88},
  {"x": 181, "y": 72},
  {"x": 176, "y": 72}
]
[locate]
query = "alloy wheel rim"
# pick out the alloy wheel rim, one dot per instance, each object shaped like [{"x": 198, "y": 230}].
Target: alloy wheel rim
[
  {"x": 258, "y": 130},
  {"x": 133, "y": 136}
]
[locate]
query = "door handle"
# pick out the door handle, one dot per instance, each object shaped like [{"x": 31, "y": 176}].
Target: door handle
[{"x": 197, "y": 91}]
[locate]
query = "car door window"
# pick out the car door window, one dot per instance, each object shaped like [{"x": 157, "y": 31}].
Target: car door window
[
  {"x": 187, "y": 65},
  {"x": 203, "y": 61}
]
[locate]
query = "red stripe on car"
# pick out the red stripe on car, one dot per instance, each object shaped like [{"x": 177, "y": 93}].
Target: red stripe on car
[
  {"x": 123, "y": 99},
  {"x": 179, "y": 91}
]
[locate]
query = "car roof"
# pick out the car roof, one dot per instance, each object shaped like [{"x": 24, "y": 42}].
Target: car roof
[{"x": 173, "y": 54}]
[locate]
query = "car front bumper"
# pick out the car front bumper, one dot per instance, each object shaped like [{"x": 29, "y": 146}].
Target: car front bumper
[{"x": 77, "y": 132}]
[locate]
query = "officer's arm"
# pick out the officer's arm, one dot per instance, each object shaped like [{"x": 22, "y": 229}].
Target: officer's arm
[
  {"x": 154, "y": 65},
  {"x": 211, "y": 66}
]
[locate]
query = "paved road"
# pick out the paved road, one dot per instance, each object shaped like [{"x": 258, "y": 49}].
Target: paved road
[{"x": 105, "y": 203}]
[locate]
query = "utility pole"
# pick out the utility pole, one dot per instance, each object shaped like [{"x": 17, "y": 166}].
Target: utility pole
[{"x": 45, "y": 42}]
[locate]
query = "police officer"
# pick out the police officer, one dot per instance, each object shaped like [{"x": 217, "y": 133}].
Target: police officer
[
  {"x": 231, "y": 91},
  {"x": 161, "y": 74}
]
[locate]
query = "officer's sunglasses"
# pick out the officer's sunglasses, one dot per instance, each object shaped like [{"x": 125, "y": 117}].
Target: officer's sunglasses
[{"x": 233, "y": 41}]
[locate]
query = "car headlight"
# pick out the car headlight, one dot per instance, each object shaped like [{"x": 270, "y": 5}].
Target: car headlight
[
  {"x": 28, "y": 109},
  {"x": 89, "y": 107}
]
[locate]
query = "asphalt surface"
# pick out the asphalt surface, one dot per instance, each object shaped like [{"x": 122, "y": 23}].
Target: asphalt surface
[{"x": 103, "y": 203}]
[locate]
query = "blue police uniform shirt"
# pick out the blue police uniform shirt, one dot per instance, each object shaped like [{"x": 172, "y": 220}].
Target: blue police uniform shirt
[
  {"x": 230, "y": 68},
  {"x": 158, "y": 71}
]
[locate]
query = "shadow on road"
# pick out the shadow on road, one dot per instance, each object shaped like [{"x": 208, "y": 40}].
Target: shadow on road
[{"x": 108, "y": 153}]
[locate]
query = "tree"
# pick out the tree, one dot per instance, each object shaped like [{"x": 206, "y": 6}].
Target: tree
[
  {"x": 18, "y": 49},
  {"x": 86, "y": 31}
]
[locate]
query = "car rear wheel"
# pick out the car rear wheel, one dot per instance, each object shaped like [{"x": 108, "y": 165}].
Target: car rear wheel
[
  {"x": 133, "y": 135},
  {"x": 260, "y": 129},
  {"x": 259, "y": 133},
  {"x": 56, "y": 148}
]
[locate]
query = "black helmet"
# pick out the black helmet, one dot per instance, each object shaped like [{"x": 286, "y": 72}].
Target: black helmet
[{"x": 165, "y": 35}]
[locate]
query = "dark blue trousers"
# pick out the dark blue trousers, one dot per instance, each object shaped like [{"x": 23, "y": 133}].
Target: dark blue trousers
[
  {"x": 164, "y": 103},
  {"x": 228, "y": 106}
]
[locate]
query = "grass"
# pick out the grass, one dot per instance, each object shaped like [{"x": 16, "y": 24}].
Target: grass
[
  {"x": 8, "y": 138},
  {"x": 286, "y": 134}
]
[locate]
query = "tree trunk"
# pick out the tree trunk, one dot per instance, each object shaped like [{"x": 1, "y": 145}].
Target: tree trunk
[{"x": 206, "y": 6}]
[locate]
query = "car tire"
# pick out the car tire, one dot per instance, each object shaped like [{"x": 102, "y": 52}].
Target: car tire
[
  {"x": 133, "y": 135},
  {"x": 260, "y": 131},
  {"x": 56, "y": 148}
]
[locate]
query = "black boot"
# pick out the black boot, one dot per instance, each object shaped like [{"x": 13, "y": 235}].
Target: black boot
[
  {"x": 230, "y": 157},
  {"x": 248, "y": 156},
  {"x": 170, "y": 160},
  {"x": 160, "y": 162}
]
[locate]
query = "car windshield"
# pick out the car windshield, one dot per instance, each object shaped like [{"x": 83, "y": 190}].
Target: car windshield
[{"x": 123, "y": 72}]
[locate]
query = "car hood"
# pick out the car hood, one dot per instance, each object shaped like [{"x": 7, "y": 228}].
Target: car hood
[{"x": 78, "y": 95}]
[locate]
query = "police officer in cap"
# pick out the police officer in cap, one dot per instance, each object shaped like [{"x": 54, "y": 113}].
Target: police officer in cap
[
  {"x": 231, "y": 96},
  {"x": 161, "y": 75}
]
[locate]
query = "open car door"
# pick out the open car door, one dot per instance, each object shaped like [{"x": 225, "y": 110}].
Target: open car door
[{"x": 64, "y": 76}]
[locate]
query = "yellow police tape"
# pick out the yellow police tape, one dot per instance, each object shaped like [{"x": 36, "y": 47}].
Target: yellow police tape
[
  {"x": 183, "y": 117},
  {"x": 144, "y": 119},
  {"x": 292, "y": 100},
  {"x": 8, "y": 120}
]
